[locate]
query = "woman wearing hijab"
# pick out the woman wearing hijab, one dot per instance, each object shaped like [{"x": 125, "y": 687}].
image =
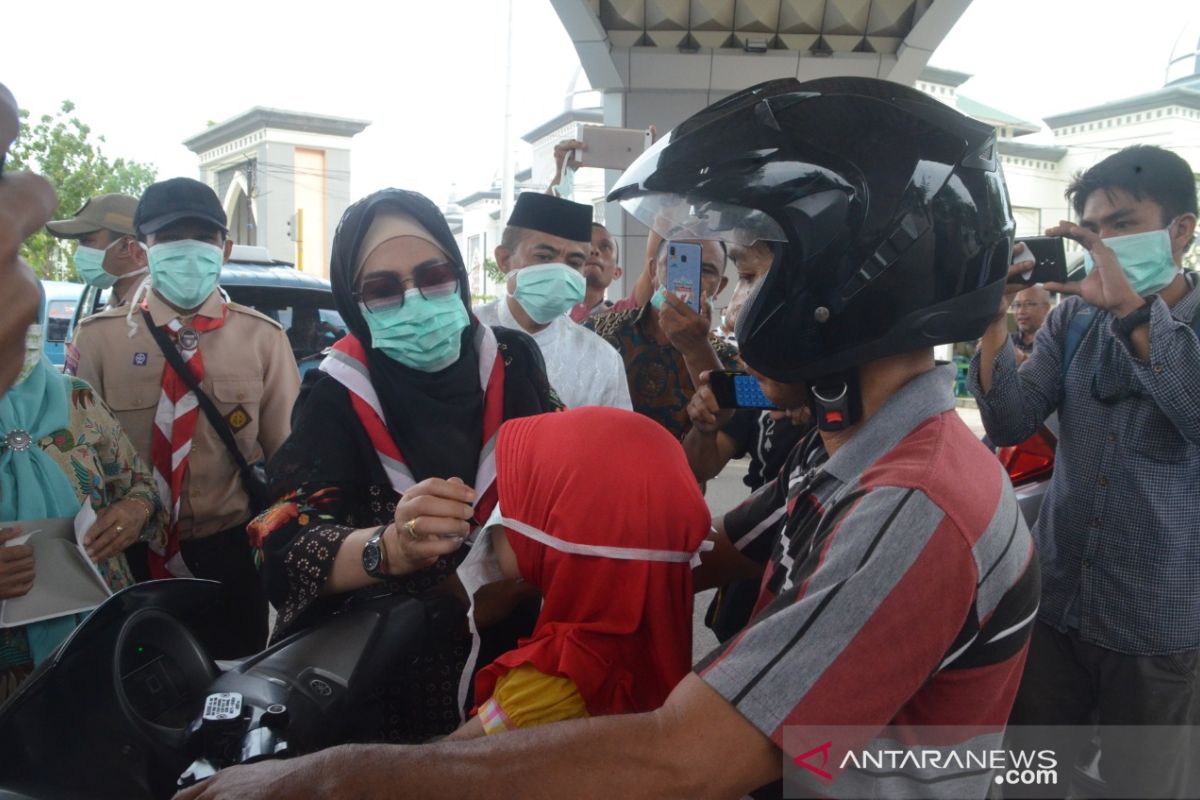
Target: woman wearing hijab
[
  {"x": 391, "y": 461},
  {"x": 60, "y": 446},
  {"x": 609, "y": 541}
]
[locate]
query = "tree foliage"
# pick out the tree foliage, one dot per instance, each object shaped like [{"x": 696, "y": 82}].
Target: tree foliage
[{"x": 62, "y": 148}]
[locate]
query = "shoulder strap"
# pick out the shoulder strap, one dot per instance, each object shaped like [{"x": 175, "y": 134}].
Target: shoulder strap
[
  {"x": 1080, "y": 324},
  {"x": 219, "y": 424}
]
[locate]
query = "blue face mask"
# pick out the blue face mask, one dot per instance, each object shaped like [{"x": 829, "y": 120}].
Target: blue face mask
[
  {"x": 1145, "y": 258},
  {"x": 547, "y": 291},
  {"x": 424, "y": 333},
  {"x": 185, "y": 272}
]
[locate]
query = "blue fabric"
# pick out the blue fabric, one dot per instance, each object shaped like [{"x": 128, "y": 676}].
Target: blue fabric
[{"x": 32, "y": 485}]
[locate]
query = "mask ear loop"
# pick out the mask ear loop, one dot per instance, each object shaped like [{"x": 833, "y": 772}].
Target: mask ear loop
[
  {"x": 468, "y": 673},
  {"x": 135, "y": 301}
]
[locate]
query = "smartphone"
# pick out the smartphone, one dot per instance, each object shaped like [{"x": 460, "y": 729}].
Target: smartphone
[
  {"x": 610, "y": 148},
  {"x": 1049, "y": 254},
  {"x": 737, "y": 390},
  {"x": 683, "y": 272}
]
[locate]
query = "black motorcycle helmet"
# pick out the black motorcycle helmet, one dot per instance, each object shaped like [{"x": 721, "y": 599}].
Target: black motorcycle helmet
[{"x": 887, "y": 212}]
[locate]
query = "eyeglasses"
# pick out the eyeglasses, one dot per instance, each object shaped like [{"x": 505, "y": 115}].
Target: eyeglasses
[
  {"x": 1029, "y": 304},
  {"x": 382, "y": 290}
]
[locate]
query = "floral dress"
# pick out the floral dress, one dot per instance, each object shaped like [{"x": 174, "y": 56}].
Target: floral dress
[{"x": 103, "y": 467}]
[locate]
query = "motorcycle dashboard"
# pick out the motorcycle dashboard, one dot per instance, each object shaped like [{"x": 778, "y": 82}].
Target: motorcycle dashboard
[{"x": 162, "y": 671}]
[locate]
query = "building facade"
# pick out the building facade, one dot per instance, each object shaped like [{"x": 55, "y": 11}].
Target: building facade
[{"x": 283, "y": 178}]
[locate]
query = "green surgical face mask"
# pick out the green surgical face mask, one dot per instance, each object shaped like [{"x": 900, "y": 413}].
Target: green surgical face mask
[
  {"x": 90, "y": 263},
  {"x": 35, "y": 339},
  {"x": 1145, "y": 258},
  {"x": 185, "y": 272},
  {"x": 547, "y": 291},
  {"x": 423, "y": 334}
]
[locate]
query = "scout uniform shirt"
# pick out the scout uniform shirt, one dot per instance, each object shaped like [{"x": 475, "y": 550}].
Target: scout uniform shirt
[{"x": 250, "y": 375}]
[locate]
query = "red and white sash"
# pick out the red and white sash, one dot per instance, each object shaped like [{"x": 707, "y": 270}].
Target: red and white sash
[
  {"x": 171, "y": 442},
  {"x": 347, "y": 364}
]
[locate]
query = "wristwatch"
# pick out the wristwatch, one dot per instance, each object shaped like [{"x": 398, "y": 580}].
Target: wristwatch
[
  {"x": 374, "y": 555},
  {"x": 1135, "y": 319}
]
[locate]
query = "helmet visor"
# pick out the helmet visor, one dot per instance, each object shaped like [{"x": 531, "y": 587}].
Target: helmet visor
[{"x": 673, "y": 216}]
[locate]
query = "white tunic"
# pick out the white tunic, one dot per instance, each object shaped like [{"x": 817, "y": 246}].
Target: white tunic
[{"x": 583, "y": 369}]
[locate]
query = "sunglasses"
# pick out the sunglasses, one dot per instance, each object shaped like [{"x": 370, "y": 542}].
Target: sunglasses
[{"x": 382, "y": 290}]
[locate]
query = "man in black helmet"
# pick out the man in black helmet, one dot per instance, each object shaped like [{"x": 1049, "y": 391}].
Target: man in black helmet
[{"x": 899, "y": 579}]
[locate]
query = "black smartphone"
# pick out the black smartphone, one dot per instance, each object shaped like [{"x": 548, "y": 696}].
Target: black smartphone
[
  {"x": 737, "y": 390},
  {"x": 1049, "y": 254}
]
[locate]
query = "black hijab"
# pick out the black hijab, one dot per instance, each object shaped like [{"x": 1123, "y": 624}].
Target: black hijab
[{"x": 435, "y": 418}]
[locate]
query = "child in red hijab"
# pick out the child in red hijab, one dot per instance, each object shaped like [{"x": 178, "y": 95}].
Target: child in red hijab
[{"x": 599, "y": 510}]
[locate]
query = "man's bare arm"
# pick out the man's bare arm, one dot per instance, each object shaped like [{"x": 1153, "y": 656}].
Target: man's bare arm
[{"x": 696, "y": 746}]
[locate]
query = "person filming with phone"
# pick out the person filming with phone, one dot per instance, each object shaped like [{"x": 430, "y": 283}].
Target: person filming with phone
[
  {"x": 1118, "y": 631},
  {"x": 667, "y": 343}
]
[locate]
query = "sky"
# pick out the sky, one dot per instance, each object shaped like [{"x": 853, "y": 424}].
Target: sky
[{"x": 430, "y": 75}]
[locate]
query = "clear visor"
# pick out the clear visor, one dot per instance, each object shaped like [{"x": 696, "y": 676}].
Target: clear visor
[{"x": 675, "y": 217}]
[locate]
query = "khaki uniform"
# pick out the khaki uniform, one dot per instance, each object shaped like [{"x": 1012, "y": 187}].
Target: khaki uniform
[{"x": 250, "y": 375}]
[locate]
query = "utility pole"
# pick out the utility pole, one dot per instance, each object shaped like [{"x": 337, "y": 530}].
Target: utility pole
[
  {"x": 506, "y": 179},
  {"x": 300, "y": 239}
]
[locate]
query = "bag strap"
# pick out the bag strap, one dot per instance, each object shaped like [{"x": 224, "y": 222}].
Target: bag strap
[
  {"x": 1080, "y": 324},
  {"x": 218, "y": 422}
]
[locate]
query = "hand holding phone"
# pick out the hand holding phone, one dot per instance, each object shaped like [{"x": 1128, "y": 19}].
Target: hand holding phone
[
  {"x": 683, "y": 272},
  {"x": 738, "y": 390},
  {"x": 1049, "y": 257}
]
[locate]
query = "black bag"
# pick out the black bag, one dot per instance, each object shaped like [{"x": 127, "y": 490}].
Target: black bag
[{"x": 254, "y": 478}]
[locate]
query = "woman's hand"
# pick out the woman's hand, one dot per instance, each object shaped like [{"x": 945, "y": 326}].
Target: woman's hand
[
  {"x": 117, "y": 527},
  {"x": 432, "y": 520},
  {"x": 16, "y": 565}
]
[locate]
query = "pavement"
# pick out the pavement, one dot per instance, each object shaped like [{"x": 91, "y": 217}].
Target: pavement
[{"x": 725, "y": 492}]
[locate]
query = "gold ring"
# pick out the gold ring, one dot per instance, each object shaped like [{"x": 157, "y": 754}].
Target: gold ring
[{"x": 411, "y": 527}]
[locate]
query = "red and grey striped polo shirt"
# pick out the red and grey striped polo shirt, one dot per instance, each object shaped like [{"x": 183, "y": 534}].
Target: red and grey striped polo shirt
[{"x": 900, "y": 587}]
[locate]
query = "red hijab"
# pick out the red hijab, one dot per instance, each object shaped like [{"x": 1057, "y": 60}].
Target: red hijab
[{"x": 620, "y": 630}]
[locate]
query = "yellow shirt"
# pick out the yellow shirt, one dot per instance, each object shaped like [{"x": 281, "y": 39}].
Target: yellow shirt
[{"x": 525, "y": 698}]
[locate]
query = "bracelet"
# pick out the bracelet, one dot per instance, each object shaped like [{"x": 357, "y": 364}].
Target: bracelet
[{"x": 144, "y": 504}]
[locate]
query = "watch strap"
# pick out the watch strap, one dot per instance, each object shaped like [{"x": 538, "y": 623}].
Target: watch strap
[
  {"x": 376, "y": 542},
  {"x": 1136, "y": 318}
]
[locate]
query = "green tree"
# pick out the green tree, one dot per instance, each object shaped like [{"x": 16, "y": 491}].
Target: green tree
[
  {"x": 492, "y": 270},
  {"x": 62, "y": 148}
]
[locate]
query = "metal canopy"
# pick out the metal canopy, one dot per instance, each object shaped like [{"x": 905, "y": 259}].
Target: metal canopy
[{"x": 896, "y": 36}]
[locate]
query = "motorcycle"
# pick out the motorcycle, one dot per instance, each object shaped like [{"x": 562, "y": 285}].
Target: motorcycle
[{"x": 131, "y": 706}]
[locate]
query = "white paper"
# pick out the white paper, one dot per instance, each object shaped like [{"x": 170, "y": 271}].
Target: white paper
[{"x": 67, "y": 581}]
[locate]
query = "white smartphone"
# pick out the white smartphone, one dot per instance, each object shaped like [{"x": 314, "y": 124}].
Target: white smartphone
[{"x": 610, "y": 148}]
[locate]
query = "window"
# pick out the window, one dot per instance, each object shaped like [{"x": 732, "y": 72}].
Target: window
[{"x": 59, "y": 314}]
